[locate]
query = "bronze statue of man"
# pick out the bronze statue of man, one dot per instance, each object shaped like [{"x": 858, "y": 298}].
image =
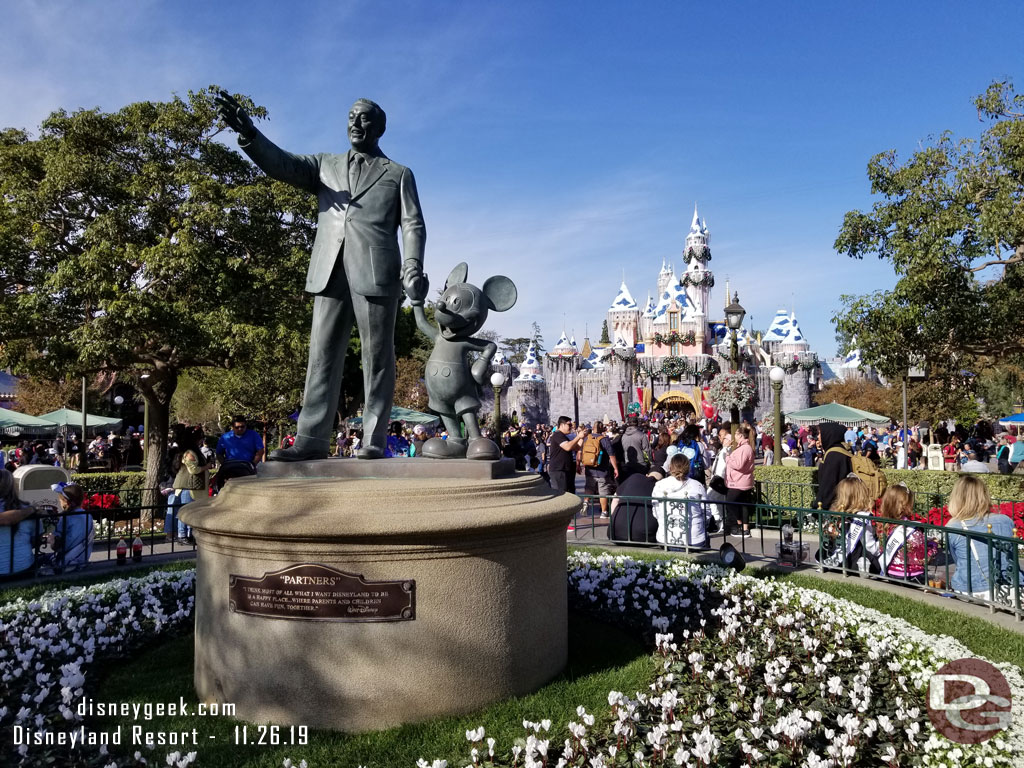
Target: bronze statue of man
[{"x": 355, "y": 270}]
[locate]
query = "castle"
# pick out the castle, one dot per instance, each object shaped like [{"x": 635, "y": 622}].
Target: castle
[{"x": 662, "y": 356}]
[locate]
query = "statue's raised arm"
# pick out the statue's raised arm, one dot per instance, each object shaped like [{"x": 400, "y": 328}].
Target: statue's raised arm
[{"x": 234, "y": 115}]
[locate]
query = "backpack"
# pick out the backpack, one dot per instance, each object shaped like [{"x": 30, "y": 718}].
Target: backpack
[
  {"x": 871, "y": 475},
  {"x": 591, "y": 454},
  {"x": 697, "y": 466}
]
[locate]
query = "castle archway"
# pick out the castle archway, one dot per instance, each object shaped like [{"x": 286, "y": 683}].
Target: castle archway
[{"x": 676, "y": 401}]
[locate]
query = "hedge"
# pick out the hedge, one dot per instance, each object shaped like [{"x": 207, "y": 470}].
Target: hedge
[
  {"x": 127, "y": 485},
  {"x": 795, "y": 486}
]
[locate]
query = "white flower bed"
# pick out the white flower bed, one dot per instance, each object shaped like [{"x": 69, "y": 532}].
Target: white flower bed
[
  {"x": 753, "y": 671},
  {"x": 51, "y": 646}
]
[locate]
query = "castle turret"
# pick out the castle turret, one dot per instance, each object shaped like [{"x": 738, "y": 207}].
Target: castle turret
[
  {"x": 624, "y": 317},
  {"x": 698, "y": 280}
]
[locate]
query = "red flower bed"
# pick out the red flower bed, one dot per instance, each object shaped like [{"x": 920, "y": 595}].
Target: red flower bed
[
  {"x": 1013, "y": 510},
  {"x": 101, "y": 502}
]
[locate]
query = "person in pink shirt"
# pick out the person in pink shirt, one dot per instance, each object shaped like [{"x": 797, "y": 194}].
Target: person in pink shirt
[{"x": 739, "y": 479}]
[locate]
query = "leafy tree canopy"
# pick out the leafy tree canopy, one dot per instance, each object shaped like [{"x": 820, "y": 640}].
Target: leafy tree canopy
[
  {"x": 136, "y": 243},
  {"x": 951, "y": 223}
]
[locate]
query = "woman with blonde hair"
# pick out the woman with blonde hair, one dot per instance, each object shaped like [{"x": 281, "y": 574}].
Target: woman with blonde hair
[
  {"x": 859, "y": 547},
  {"x": 970, "y": 510},
  {"x": 905, "y": 547}
]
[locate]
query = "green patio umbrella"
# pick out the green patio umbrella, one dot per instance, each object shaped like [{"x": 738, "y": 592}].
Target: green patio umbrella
[
  {"x": 407, "y": 415},
  {"x": 839, "y": 413},
  {"x": 65, "y": 417},
  {"x": 14, "y": 423}
]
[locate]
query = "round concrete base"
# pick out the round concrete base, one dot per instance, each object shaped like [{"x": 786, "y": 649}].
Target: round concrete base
[{"x": 487, "y": 559}]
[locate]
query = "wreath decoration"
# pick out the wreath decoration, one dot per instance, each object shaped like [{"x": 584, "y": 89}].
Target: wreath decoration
[{"x": 675, "y": 367}]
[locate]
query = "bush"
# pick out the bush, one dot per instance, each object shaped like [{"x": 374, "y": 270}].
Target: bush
[
  {"x": 795, "y": 486},
  {"x": 127, "y": 485},
  {"x": 786, "y": 486}
]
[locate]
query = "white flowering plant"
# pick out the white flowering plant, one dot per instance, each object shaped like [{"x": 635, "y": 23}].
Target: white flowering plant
[{"x": 752, "y": 671}]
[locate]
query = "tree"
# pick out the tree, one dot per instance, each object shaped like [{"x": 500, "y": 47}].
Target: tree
[
  {"x": 37, "y": 396},
  {"x": 951, "y": 223},
  {"x": 409, "y": 389},
  {"x": 537, "y": 339},
  {"x": 134, "y": 244},
  {"x": 515, "y": 348},
  {"x": 861, "y": 393},
  {"x": 605, "y": 338}
]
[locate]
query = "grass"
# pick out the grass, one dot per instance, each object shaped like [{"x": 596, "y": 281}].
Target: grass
[
  {"x": 601, "y": 659},
  {"x": 35, "y": 591}
]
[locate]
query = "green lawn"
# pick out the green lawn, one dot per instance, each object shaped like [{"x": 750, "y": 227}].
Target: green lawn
[{"x": 601, "y": 659}]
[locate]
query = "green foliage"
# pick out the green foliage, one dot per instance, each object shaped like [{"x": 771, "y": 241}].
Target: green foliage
[
  {"x": 951, "y": 224},
  {"x": 538, "y": 340},
  {"x": 605, "y": 338},
  {"x": 795, "y": 486},
  {"x": 515, "y": 348},
  {"x": 134, "y": 243},
  {"x": 786, "y": 486},
  {"x": 127, "y": 485}
]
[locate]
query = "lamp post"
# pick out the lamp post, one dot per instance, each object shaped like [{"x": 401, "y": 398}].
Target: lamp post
[
  {"x": 497, "y": 380},
  {"x": 777, "y": 375},
  {"x": 734, "y": 314}
]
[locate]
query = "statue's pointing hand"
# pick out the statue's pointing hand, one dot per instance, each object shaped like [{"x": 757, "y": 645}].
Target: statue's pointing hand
[{"x": 234, "y": 115}]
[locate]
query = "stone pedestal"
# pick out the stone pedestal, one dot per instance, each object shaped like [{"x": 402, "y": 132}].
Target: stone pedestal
[{"x": 479, "y": 550}]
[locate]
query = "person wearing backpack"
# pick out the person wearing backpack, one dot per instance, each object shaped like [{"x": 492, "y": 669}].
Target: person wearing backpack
[
  {"x": 600, "y": 466},
  {"x": 871, "y": 475},
  {"x": 836, "y": 464}
]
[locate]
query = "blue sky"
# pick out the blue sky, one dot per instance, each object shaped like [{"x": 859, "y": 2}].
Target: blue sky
[{"x": 561, "y": 143}]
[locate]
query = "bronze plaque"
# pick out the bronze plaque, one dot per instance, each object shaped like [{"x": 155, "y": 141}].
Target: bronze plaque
[{"x": 315, "y": 592}]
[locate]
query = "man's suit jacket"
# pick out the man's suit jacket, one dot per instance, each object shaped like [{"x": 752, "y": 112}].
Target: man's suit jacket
[{"x": 361, "y": 224}]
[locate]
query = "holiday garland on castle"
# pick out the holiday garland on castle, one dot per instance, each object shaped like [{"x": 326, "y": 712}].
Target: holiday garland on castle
[
  {"x": 806, "y": 362},
  {"x": 701, "y": 252},
  {"x": 732, "y": 389},
  {"x": 698, "y": 278},
  {"x": 674, "y": 337}
]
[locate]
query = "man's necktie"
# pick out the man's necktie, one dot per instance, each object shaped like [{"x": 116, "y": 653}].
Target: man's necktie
[{"x": 354, "y": 172}]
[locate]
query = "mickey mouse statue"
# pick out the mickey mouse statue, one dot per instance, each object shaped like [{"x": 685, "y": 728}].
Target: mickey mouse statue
[{"x": 452, "y": 383}]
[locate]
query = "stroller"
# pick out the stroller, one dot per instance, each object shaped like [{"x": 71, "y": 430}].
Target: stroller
[{"x": 229, "y": 470}]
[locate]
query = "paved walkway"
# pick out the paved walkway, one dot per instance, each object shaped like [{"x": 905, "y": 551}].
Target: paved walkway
[{"x": 760, "y": 554}]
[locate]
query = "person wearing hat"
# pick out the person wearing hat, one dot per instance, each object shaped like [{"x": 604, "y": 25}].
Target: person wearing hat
[
  {"x": 633, "y": 519},
  {"x": 419, "y": 436},
  {"x": 72, "y": 537}
]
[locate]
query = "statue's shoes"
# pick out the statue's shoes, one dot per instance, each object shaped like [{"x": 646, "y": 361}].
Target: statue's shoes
[
  {"x": 297, "y": 454},
  {"x": 370, "y": 452},
  {"x": 483, "y": 449},
  {"x": 452, "y": 448}
]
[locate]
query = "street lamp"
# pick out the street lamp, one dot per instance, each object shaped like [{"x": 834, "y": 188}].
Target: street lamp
[
  {"x": 777, "y": 375},
  {"x": 497, "y": 380},
  {"x": 734, "y": 314}
]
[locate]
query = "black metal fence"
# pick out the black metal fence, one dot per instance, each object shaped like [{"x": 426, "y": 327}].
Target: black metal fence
[{"x": 916, "y": 554}]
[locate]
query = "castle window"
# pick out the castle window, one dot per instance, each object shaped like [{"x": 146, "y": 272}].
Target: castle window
[
  {"x": 673, "y": 321},
  {"x": 675, "y": 350}
]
